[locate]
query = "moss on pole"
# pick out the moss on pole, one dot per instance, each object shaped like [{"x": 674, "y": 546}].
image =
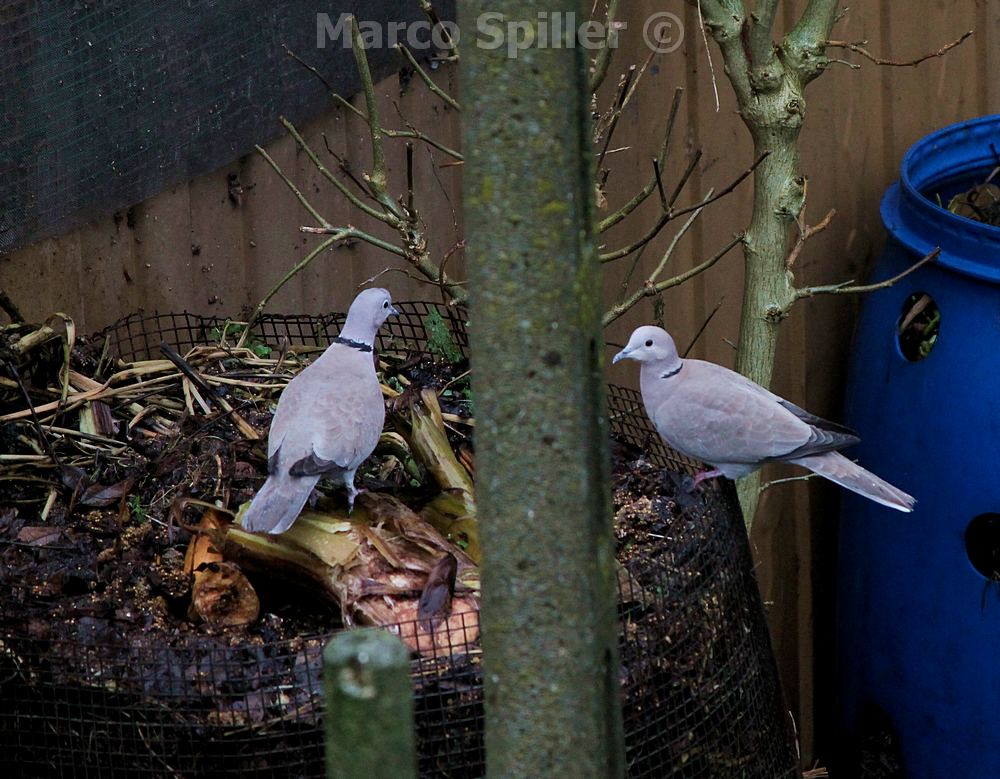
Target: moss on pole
[
  {"x": 369, "y": 707},
  {"x": 549, "y": 617}
]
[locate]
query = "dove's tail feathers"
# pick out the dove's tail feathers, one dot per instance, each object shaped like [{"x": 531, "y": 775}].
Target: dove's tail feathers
[
  {"x": 838, "y": 469},
  {"x": 278, "y": 503}
]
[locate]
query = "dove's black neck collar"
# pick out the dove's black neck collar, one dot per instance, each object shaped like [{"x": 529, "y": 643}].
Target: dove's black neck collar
[
  {"x": 674, "y": 372},
  {"x": 359, "y": 345}
]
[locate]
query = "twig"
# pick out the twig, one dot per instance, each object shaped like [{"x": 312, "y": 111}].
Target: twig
[
  {"x": 432, "y": 16},
  {"x": 607, "y": 52},
  {"x": 411, "y": 276},
  {"x": 284, "y": 279},
  {"x": 387, "y": 218},
  {"x": 649, "y": 290},
  {"x": 806, "y": 232},
  {"x": 643, "y": 240},
  {"x": 773, "y": 482},
  {"x": 377, "y": 178},
  {"x": 704, "y": 326},
  {"x": 708, "y": 53},
  {"x": 851, "y": 65},
  {"x": 348, "y": 105},
  {"x": 205, "y": 388},
  {"x": 725, "y": 190},
  {"x": 859, "y": 48},
  {"x": 34, "y": 413},
  {"x": 410, "y": 210},
  {"x": 642, "y": 194},
  {"x": 659, "y": 185},
  {"x": 672, "y": 214},
  {"x": 664, "y": 218},
  {"x": 677, "y": 239},
  {"x": 427, "y": 79},
  {"x": 291, "y": 185},
  {"x": 352, "y": 233},
  {"x": 345, "y": 168},
  {"x": 844, "y": 288},
  {"x": 616, "y": 113},
  {"x": 685, "y": 176}
]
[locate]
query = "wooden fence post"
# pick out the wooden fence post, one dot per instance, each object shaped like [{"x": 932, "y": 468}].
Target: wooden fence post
[{"x": 369, "y": 707}]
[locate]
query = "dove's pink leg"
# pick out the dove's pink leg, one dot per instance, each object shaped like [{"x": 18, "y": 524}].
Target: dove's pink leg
[{"x": 704, "y": 476}]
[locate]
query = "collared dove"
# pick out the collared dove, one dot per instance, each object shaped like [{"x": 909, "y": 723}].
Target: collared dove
[
  {"x": 328, "y": 420},
  {"x": 717, "y": 416}
]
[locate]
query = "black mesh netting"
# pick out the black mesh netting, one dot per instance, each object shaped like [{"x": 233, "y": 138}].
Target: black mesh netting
[
  {"x": 104, "y": 103},
  {"x": 700, "y": 689}
]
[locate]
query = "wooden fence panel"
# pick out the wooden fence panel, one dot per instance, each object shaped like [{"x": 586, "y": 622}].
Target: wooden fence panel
[{"x": 195, "y": 247}]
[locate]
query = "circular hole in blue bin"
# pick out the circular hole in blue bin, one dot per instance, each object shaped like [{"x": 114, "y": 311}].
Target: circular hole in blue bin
[
  {"x": 918, "y": 326},
  {"x": 982, "y": 544}
]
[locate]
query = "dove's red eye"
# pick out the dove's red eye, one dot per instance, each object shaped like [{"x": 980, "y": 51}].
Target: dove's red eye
[{"x": 649, "y": 342}]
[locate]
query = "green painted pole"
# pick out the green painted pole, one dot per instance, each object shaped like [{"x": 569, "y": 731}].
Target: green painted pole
[
  {"x": 549, "y": 626},
  {"x": 369, "y": 707}
]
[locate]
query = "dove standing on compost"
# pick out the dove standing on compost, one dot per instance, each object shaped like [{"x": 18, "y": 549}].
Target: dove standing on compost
[
  {"x": 722, "y": 418},
  {"x": 328, "y": 420}
]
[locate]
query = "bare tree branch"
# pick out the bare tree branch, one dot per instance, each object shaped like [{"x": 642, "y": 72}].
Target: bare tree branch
[
  {"x": 427, "y": 79},
  {"x": 389, "y": 219},
  {"x": 859, "y": 48},
  {"x": 317, "y": 250},
  {"x": 647, "y": 190},
  {"x": 607, "y": 52},
  {"x": 669, "y": 212},
  {"x": 761, "y": 42},
  {"x": 806, "y": 232},
  {"x": 291, "y": 185},
  {"x": 651, "y": 288},
  {"x": 377, "y": 178},
  {"x": 845, "y": 288}
]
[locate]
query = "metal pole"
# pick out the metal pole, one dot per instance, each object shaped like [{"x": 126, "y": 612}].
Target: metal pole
[
  {"x": 369, "y": 707},
  {"x": 549, "y": 616}
]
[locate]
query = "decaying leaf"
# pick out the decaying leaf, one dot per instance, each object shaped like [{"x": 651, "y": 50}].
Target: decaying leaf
[
  {"x": 223, "y": 596},
  {"x": 981, "y": 203},
  {"x": 7, "y": 515},
  {"x": 203, "y": 547},
  {"x": 435, "y": 599},
  {"x": 99, "y": 495},
  {"x": 38, "y": 535},
  {"x": 72, "y": 477}
]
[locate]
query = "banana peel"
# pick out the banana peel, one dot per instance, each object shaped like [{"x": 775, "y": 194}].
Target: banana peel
[
  {"x": 374, "y": 564},
  {"x": 453, "y": 512}
]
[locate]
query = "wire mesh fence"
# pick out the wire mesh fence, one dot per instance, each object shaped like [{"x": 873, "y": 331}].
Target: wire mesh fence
[{"x": 700, "y": 691}]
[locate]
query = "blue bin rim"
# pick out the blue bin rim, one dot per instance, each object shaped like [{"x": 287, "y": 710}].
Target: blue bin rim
[{"x": 967, "y": 246}]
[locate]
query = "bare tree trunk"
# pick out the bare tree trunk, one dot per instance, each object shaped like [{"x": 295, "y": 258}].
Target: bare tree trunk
[{"x": 769, "y": 80}]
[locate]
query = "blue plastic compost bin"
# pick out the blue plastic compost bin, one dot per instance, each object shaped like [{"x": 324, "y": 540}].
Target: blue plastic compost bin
[{"x": 919, "y": 594}]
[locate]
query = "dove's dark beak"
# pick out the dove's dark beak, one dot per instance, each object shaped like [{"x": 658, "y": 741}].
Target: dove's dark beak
[
  {"x": 393, "y": 311},
  {"x": 624, "y": 354}
]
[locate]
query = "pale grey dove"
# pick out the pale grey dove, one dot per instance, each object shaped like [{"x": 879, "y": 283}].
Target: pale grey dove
[
  {"x": 715, "y": 415},
  {"x": 329, "y": 419}
]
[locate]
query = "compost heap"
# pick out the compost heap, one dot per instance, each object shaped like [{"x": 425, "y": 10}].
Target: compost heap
[{"x": 121, "y": 483}]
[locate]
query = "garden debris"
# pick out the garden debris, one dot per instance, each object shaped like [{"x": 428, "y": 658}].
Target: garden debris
[
  {"x": 128, "y": 468},
  {"x": 980, "y": 202},
  {"x": 374, "y": 563},
  {"x": 95, "y": 627}
]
